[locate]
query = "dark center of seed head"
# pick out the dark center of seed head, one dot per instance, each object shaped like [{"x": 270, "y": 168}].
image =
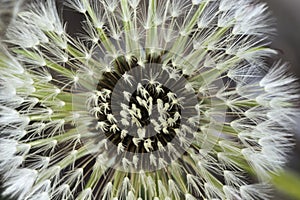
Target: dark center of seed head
[{"x": 115, "y": 134}]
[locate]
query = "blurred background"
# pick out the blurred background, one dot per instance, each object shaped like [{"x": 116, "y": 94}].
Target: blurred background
[
  {"x": 287, "y": 15},
  {"x": 287, "y": 41}
]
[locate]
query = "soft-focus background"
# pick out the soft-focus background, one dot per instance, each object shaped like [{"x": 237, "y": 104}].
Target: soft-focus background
[{"x": 287, "y": 14}]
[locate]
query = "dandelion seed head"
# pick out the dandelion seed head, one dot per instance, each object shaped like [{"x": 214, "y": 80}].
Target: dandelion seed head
[{"x": 156, "y": 100}]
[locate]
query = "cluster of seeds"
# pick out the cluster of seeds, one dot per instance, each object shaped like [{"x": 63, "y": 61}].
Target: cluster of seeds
[
  {"x": 140, "y": 108},
  {"x": 159, "y": 99}
]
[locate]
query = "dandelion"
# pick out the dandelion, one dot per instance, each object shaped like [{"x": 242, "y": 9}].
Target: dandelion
[{"x": 159, "y": 99}]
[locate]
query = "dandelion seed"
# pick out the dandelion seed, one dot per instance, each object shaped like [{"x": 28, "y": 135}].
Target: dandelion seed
[{"x": 157, "y": 100}]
